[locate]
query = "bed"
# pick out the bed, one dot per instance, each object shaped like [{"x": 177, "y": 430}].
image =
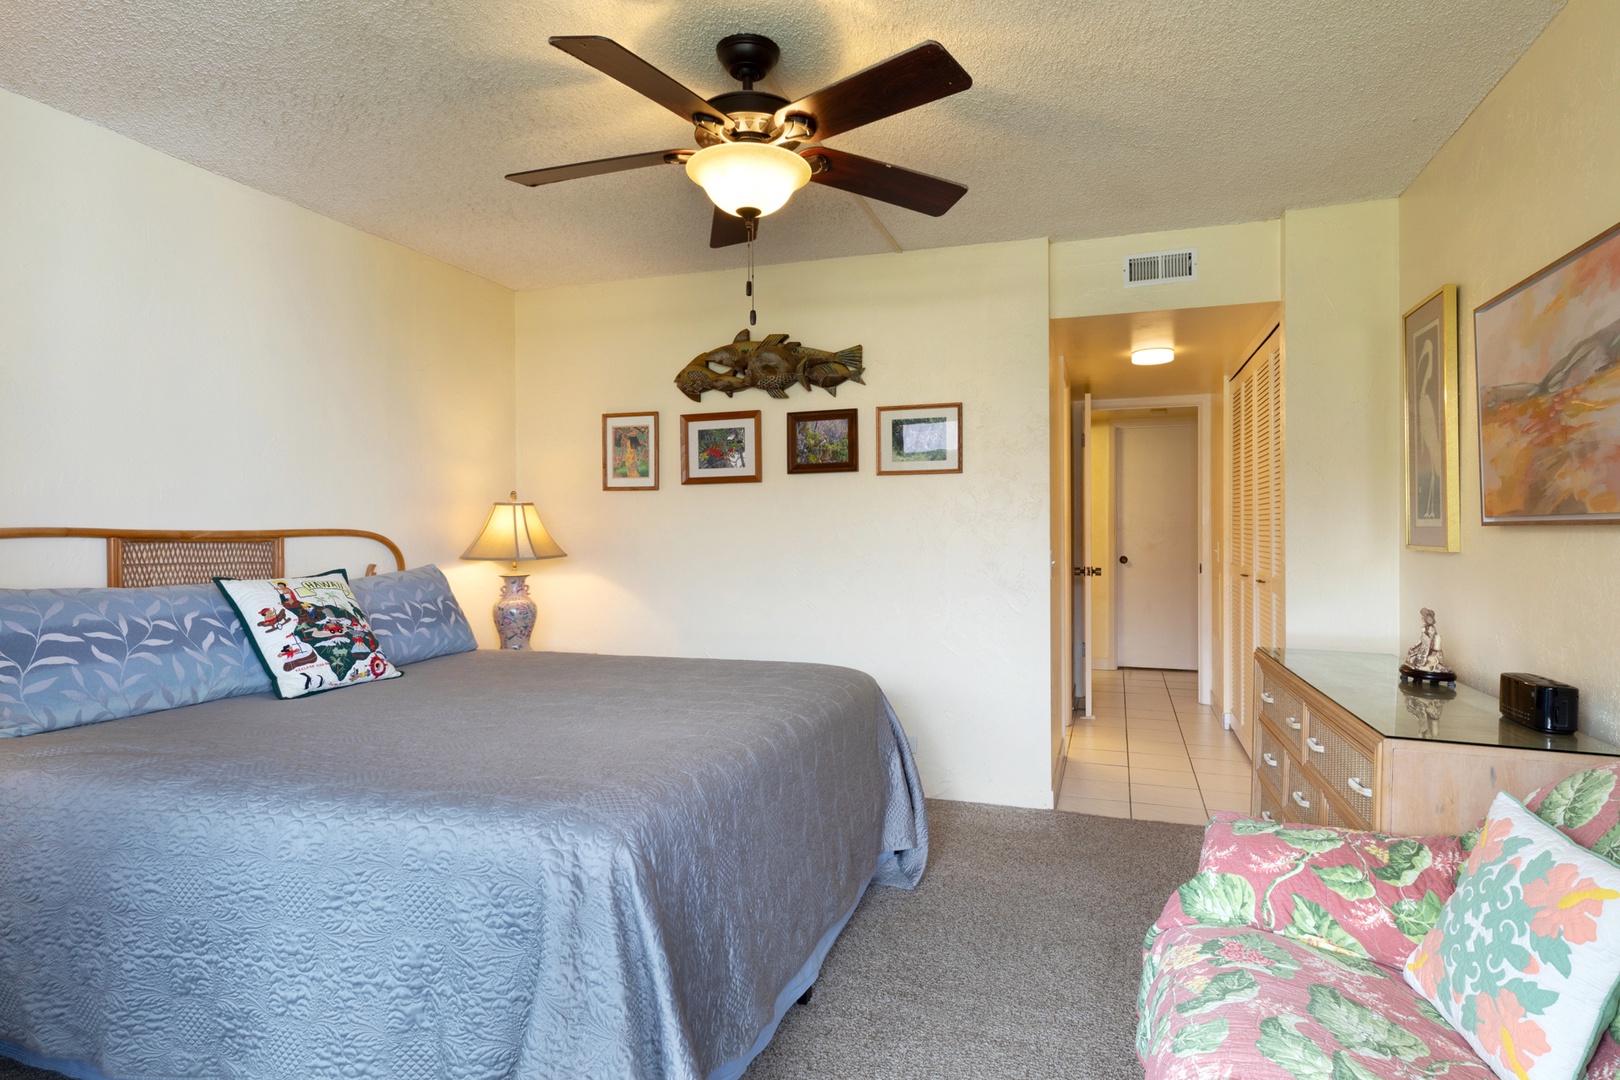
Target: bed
[{"x": 499, "y": 865}]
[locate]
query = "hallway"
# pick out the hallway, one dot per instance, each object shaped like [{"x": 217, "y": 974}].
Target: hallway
[{"x": 1152, "y": 752}]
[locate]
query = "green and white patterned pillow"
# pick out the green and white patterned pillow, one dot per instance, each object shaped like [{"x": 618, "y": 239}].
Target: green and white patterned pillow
[
  {"x": 1525, "y": 959},
  {"x": 310, "y": 632}
]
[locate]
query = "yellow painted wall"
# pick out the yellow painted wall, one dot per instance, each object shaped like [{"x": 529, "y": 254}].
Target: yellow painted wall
[
  {"x": 1238, "y": 264},
  {"x": 1342, "y": 426},
  {"x": 180, "y": 351},
  {"x": 1531, "y": 174},
  {"x": 936, "y": 585}
]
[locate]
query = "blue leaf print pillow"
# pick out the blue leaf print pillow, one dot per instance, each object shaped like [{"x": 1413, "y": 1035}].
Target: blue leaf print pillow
[
  {"x": 81, "y": 656},
  {"x": 414, "y": 614}
]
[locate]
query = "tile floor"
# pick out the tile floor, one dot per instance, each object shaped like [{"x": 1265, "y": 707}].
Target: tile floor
[{"x": 1152, "y": 752}]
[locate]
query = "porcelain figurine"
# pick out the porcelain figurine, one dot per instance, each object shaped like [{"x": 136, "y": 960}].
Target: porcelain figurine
[{"x": 1424, "y": 661}]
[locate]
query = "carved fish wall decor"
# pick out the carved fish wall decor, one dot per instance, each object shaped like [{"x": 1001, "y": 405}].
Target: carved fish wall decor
[{"x": 772, "y": 365}]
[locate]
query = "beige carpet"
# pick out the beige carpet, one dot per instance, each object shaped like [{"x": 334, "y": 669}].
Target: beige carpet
[{"x": 1017, "y": 956}]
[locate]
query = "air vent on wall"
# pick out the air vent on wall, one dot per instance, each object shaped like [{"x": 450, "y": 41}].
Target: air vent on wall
[{"x": 1158, "y": 267}]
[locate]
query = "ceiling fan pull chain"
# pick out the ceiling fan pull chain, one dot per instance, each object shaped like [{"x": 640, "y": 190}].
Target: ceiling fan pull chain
[{"x": 753, "y": 316}]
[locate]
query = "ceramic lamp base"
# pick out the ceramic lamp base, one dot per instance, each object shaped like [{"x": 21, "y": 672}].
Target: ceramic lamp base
[{"x": 515, "y": 613}]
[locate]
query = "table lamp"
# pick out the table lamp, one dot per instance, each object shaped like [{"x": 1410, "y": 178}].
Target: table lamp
[{"x": 514, "y": 532}]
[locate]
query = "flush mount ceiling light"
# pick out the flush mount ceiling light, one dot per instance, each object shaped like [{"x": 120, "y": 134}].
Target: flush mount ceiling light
[
  {"x": 748, "y": 179},
  {"x": 1145, "y": 357}
]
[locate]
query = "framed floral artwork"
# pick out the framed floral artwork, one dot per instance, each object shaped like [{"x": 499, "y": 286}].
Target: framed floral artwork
[
  {"x": 1433, "y": 513},
  {"x": 630, "y": 451},
  {"x": 720, "y": 448},
  {"x": 919, "y": 439},
  {"x": 1548, "y": 357},
  {"x": 826, "y": 441}
]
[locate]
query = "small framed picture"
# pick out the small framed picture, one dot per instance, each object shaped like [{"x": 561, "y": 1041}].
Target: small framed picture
[
  {"x": 720, "y": 448},
  {"x": 630, "y": 451},
  {"x": 919, "y": 439},
  {"x": 826, "y": 441}
]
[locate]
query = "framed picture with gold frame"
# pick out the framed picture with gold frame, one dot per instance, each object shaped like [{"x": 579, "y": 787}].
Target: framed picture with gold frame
[
  {"x": 1429, "y": 450},
  {"x": 630, "y": 451},
  {"x": 720, "y": 448}
]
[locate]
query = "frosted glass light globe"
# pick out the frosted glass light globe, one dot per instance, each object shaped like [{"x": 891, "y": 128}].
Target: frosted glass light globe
[
  {"x": 743, "y": 174},
  {"x": 1153, "y": 356}
]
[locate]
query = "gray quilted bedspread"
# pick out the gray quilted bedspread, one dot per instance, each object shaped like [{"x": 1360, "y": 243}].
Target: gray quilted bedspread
[{"x": 501, "y": 865}]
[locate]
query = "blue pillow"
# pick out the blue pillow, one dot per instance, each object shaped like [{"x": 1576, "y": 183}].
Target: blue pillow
[
  {"x": 81, "y": 656},
  {"x": 414, "y": 614}
]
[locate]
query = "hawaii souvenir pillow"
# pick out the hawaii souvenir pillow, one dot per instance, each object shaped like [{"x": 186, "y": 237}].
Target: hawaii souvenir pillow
[
  {"x": 414, "y": 614},
  {"x": 310, "y": 632},
  {"x": 1362, "y": 894},
  {"x": 1525, "y": 960}
]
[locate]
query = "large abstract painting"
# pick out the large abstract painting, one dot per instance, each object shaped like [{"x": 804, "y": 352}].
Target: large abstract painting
[
  {"x": 1433, "y": 519},
  {"x": 1549, "y": 392}
]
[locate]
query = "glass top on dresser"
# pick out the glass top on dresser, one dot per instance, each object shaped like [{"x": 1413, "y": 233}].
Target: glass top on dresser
[{"x": 1368, "y": 686}]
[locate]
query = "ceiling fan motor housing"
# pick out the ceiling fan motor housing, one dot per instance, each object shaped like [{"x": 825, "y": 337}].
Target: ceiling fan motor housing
[{"x": 748, "y": 57}]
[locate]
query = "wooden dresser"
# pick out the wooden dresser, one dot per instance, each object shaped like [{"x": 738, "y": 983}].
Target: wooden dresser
[{"x": 1339, "y": 741}]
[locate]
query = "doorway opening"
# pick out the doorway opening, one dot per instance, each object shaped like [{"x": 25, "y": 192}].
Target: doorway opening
[{"x": 1122, "y": 486}]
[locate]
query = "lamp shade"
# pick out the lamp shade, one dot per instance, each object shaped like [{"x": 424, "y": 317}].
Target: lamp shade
[
  {"x": 748, "y": 175},
  {"x": 513, "y": 533}
]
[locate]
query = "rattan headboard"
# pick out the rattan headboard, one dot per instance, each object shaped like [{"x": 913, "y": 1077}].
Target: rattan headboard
[{"x": 138, "y": 558}]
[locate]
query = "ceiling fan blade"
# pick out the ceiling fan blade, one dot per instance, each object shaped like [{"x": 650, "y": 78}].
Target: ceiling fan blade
[
  {"x": 618, "y": 62},
  {"x": 727, "y": 230},
  {"x": 536, "y": 177},
  {"x": 882, "y": 181},
  {"x": 904, "y": 81}
]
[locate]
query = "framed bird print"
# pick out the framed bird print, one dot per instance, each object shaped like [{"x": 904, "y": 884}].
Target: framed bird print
[
  {"x": 720, "y": 448},
  {"x": 630, "y": 451},
  {"x": 1433, "y": 514}
]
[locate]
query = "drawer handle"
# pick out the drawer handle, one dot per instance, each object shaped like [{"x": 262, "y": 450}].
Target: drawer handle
[
  {"x": 1269, "y": 760},
  {"x": 1265, "y": 815},
  {"x": 1359, "y": 788},
  {"x": 1267, "y": 698},
  {"x": 1294, "y": 723},
  {"x": 1314, "y": 745},
  {"x": 1301, "y": 800}
]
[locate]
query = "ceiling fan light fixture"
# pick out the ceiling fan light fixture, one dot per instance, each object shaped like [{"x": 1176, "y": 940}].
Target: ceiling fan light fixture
[
  {"x": 748, "y": 175},
  {"x": 1144, "y": 357}
]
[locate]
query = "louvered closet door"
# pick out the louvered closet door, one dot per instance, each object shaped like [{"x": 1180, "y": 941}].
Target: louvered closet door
[
  {"x": 1268, "y": 570},
  {"x": 1255, "y": 540}
]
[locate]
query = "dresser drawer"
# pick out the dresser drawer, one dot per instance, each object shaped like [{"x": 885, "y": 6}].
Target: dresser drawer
[
  {"x": 1271, "y": 762},
  {"x": 1283, "y": 709},
  {"x": 1343, "y": 765},
  {"x": 1265, "y": 804},
  {"x": 1303, "y": 802}
]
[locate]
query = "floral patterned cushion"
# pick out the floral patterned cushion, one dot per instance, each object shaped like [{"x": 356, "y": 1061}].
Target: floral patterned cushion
[
  {"x": 1246, "y": 1004},
  {"x": 1361, "y": 893},
  {"x": 1584, "y": 807},
  {"x": 414, "y": 614},
  {"x": 309, "y": 632},
  {"x": 81, "y": 656},
  {"x": 1525, "y": 960}
]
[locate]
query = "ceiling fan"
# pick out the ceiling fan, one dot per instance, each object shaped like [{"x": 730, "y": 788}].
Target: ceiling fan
[{"x": 756, "y": 149}]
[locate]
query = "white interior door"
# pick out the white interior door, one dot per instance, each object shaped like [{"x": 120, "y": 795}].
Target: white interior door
[
  {"x": 1082, "y": 547},
  {"x": 1156, "y": 501}
]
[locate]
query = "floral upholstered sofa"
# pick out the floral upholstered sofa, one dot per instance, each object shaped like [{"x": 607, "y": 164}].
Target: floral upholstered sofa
[{"x": 1283, "y": 958}]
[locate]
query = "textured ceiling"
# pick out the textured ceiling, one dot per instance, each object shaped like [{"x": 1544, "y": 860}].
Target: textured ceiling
[{"x": 1086, "y": 118}]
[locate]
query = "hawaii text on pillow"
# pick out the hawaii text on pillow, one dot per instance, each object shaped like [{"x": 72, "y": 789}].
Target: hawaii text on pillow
[{"x": 310, "y": 632}]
